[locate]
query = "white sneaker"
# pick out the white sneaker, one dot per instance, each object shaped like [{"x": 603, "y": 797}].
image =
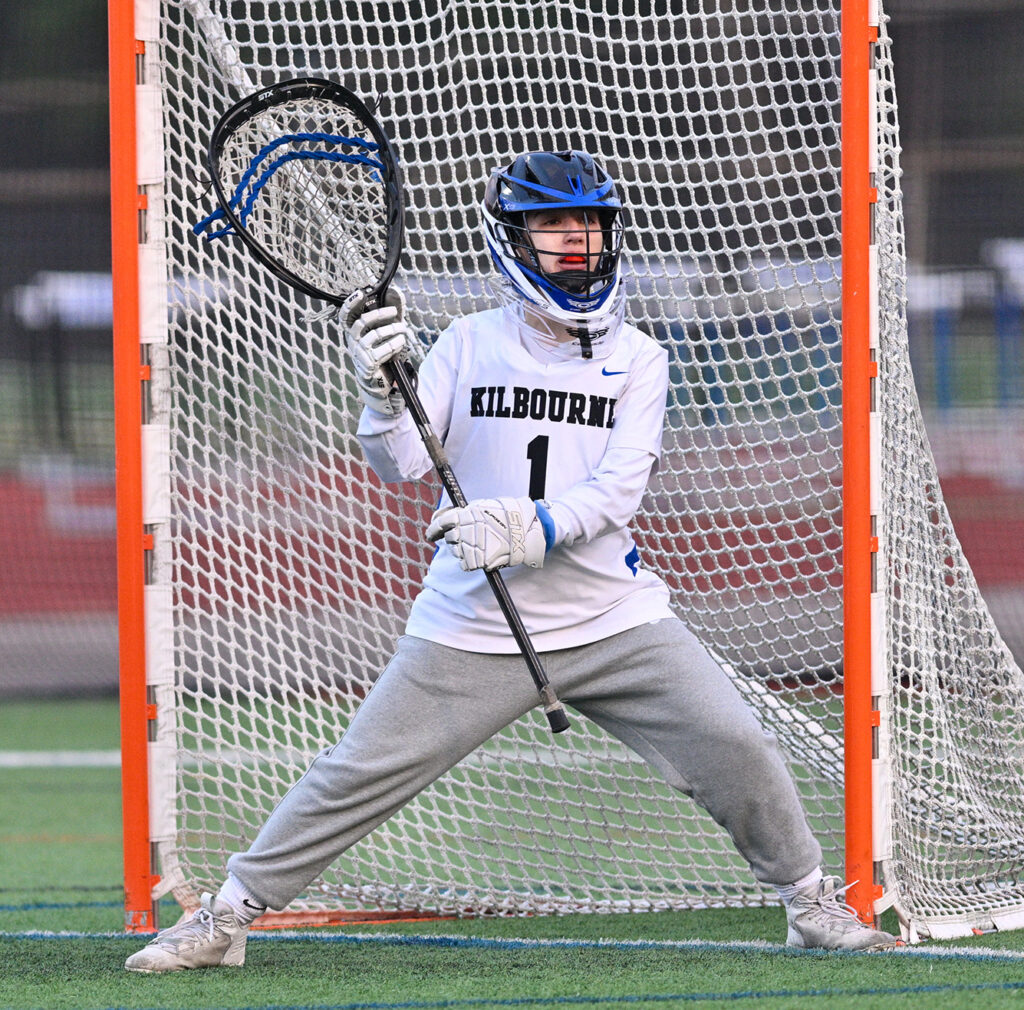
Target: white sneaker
[
  {"x": 212, "y": 935},
  {"x": 818, "y": 917}
]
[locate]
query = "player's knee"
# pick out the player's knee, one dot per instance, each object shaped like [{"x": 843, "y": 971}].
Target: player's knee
[{"x": 744, "y": 747}]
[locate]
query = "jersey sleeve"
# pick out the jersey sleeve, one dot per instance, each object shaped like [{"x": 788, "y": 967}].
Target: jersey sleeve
[
  {"x": 605, "y": 502},
  {"x": 640, "y": 411},
  {"x": 392, "y": 445},
  {"x": 609, "y": 498}
]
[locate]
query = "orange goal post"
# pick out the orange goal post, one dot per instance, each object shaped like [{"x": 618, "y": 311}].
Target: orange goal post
[{"x": 264, "y": 572}]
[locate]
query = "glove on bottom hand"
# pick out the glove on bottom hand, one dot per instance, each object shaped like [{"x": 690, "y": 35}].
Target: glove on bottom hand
[
  {"x": 374, "y": 338},
  {"x": 491, "y": 533}
]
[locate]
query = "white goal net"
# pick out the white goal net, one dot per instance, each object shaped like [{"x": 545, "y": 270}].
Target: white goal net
[{"x": 282, "y": 569}]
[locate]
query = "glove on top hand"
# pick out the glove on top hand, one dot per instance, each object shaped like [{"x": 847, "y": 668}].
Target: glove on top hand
[
  {"x": 374, "y": 338},
  {"x": 491, "y": 533}
]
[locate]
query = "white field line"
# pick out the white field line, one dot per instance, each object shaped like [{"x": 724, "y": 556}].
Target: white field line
[
  {"x": 496, "y": 758},
  {"x": 60, "y": 759},
  {"x": 921, "y": 951}
]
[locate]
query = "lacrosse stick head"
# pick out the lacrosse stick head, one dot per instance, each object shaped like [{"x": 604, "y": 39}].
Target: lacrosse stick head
[{"x": 306, "y": 176}]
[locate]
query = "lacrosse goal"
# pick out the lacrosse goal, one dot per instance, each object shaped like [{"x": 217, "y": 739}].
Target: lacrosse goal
[{"x": 265, "y": 573}]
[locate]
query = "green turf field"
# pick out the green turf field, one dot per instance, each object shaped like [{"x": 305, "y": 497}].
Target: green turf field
[{"x": 61, "y": 944}]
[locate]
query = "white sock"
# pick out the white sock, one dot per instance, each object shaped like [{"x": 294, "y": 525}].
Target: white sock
[
  {"x": 787, "y": 892},
  {"x": 245, "y": 904}
]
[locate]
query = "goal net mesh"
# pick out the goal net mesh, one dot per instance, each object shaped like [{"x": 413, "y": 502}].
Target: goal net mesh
[{"x": 283, "y": 569}]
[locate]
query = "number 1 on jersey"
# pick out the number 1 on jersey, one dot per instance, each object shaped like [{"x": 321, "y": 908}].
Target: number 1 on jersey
[{"x": 537, "y": 454}]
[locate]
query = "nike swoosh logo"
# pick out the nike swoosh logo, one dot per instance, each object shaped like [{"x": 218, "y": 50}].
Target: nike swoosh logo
[{"x": 604, "y": 371}]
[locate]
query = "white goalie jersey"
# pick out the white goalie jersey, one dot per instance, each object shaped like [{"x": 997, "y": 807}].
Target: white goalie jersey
[{"x": 584, "y": 435}]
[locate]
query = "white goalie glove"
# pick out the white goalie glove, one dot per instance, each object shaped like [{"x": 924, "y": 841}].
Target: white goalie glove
[
  {"x": 374, "y": 338},
  {"x": 491, "y": 533}
]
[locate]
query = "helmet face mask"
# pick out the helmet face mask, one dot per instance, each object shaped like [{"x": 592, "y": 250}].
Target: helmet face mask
[{"x": 530, "y": 207}]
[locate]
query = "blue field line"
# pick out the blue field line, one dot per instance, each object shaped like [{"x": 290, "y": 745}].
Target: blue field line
[
  {"x": 49, "y": 906},
  {"x": 919, "y": 952}
]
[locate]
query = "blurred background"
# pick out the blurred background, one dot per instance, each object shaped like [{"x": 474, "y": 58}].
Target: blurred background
[{"x": 959, "y": 64}]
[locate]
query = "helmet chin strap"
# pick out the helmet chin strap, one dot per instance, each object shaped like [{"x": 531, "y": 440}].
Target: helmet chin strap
[
  {"x": 589, "y": 339},
  {"x": 573, "y": 281},
  {"x": 579, "y": 282},
  {"x": 584, "y": 332},
  {"x": 583, "y": 335}
]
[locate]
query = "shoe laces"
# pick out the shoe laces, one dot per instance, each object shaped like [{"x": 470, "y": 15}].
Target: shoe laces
[
  {"x": 833, "y": 905},
  {"x": 201, "y": 926}
]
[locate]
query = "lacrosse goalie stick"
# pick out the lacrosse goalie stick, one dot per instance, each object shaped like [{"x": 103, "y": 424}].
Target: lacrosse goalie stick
[{"x": 305, "y": 175}]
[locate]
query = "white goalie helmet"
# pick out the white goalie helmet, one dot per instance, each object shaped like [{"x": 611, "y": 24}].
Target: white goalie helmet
[{"x": 583, "y": 297}]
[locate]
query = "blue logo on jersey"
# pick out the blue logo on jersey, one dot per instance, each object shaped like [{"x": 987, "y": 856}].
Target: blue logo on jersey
[
  {"x": 604, "y": 371},
  {"x": 633, "y": 560}
]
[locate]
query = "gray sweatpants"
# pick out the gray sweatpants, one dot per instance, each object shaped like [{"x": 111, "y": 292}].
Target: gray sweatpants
[{"x": 654, "y": 687}]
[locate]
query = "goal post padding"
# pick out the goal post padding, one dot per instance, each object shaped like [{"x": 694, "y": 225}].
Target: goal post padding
[{"x": 279, "y": 569}]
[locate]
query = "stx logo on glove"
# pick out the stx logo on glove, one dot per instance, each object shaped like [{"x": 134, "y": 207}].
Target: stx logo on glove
[
  {"x": 491, "y": 533},
  {"x": 542, "y": 405}
]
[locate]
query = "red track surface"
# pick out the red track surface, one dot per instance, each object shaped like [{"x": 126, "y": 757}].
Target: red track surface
[
  {"x": 50, "y": 566},
  {"x": 989, "y": 520}
]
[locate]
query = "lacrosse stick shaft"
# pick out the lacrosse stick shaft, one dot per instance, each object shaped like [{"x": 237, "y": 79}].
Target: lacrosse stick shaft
[{"x": 553, "y": 708}]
